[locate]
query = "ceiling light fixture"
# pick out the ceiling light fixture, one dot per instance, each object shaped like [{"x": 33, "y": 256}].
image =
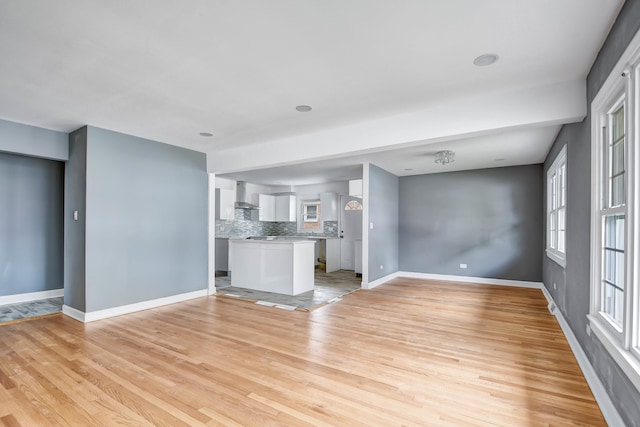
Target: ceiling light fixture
[
  {"x": 206, "y": 134},
  {"x": 486, "y": 59},
  {"x": 445, "y": 156},
  {"x": 303, "y": 108}
]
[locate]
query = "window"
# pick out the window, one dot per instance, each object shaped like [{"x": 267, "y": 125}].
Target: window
[
  {"x": 615, "y": 232},
  {"x": 353, "y": 205},
  {"x": 557, "y": 208},
  {"x": 311, "y": 212},
  {"x": 311, "y": 215}
]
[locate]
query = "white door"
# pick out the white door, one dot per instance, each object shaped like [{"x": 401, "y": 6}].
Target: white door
[{"x": 350, "y": 229}]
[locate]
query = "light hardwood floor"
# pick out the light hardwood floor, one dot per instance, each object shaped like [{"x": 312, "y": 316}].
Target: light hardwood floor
[{"x": 410, "y": 352}]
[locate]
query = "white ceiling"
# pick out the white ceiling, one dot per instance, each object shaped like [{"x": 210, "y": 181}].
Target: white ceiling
[{"x": 389, "y": 82}]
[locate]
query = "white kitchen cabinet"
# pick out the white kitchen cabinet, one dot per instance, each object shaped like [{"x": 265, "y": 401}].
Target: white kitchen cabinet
[
  {"x": 355, "y": 188},
  {"x": 280, "y": 266},
  {"x": 332, "y": 254},
  {"x": 329, "y": 206},
  {"x": 225, "y": 200},
  {"x": 285, "y": 208},
  {"x": 267, "y": 205},
  {"x": 222, "y": 254},
  {"x": 358, "y": 256}
]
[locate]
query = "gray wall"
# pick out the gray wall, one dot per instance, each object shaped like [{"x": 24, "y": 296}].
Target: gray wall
[
  {"x": 146, "y": 220},
  {"x": 573, "y": 283},
  {"x": 75, "y": 231},
  {"x": 33, "y": 141},
  {"x": 489, "y": 219},
  {"x": 383, "y": 212},
  {"x": 31, "y": 230}
]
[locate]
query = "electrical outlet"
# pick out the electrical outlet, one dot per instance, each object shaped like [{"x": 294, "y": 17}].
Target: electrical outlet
[
  {"x": 463, "y": 265},
  {"x": 381, "y": 266},
  {"x": 588, "y": 330},
  {"x": 554, "y": 285}
]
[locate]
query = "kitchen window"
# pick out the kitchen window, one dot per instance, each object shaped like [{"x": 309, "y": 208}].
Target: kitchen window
[
  {"x": 311, "y": 212},
  {"x": 557, "y": 208},
  {"x": 311, "y": 215},
  {"x": 615, "y": 235}
]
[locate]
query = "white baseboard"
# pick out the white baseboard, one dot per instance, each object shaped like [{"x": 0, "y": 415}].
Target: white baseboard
[
  {"x": 380, "y": 281},
  {"x": 73, "y": 313},
  {"x": 468, "y": 279},
  {"x": 130, "y": 308},
  {"x": 31, "y": 296},
  {"x": 609, "y": 411}
]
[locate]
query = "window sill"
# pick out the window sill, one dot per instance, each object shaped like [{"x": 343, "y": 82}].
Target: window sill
[
  {"x": 561, "y": 261},
  {"x": 624, "y": 358}
]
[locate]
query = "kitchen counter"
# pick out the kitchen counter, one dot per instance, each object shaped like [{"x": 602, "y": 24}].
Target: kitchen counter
[
  {"x": 272, "y": 238},
  {"x": 280, "y": 266}
]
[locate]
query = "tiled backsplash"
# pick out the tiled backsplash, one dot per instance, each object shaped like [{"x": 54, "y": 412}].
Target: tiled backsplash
[{"x": 243, "y": 226}]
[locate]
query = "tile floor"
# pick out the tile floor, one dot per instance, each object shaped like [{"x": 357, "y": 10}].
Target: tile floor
[
  {"x": 328, "y": 286},
  {"x": 24, "y": 310}
]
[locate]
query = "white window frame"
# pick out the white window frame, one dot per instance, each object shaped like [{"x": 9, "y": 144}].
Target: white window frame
[
  {"x": 308, "y": 216},
  {"x": 557, "y": 203},
  {"x": 621, "y": 340}
]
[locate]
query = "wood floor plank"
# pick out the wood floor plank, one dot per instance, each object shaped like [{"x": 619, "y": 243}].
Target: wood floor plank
[{"x": 410, "y": 352}]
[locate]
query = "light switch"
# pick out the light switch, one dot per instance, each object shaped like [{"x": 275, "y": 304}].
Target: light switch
[
  {"x": 75, "y": 215},
  {"x": 370, "y": 226}
]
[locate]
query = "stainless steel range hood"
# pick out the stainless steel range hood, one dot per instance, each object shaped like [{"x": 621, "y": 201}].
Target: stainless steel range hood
[{"x": 242, "y": 198}]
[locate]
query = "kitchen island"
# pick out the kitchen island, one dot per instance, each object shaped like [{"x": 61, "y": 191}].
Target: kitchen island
[{"x": 280, "y": 266}]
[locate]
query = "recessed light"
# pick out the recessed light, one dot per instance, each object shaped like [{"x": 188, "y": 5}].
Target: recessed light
[
  {"x": 303, "y": 108},
  {"x": 486, "y": 59},
  {"x": 206, "y": 134}
]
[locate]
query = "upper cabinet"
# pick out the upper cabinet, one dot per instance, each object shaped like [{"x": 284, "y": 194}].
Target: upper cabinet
[
  {"x": 355, "y": 188},
  {"x": 225, "y": 200},
  {"x": 267, "y": 205},
  {"x": 286, "y": 208},
  {"x": 277, "y": 208},
  {"x": 329, "y": 206}
]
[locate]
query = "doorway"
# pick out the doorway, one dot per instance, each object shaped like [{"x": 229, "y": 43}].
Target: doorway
[{"x": 350, "y": 231}]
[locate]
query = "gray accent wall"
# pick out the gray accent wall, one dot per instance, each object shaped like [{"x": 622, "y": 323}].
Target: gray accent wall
[
  {"x": 31, "y": 229},
  {"x": 572, "y": 293},
  {"x": 33, "y": 141},
  {"x": 383, "y": 213},
  {"x": 146, "y": 220},
  {"x": 489, "y": 219}
]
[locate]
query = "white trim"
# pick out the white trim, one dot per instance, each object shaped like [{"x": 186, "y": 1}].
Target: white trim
[
  {"x": 562, "y": 262},
  {"x": 449, "y": 278},
  {"x": 621, "y": 85},
  {"x": 211, "y": 273},
  {"x": 381, "y": 280},
  {"x": 609, "y": 411},
  {"x": 471, "y": 280},
  {"x": 365, "y": 226},
  {"x": 73, "y": 313},
  {"x": 561, "y": 160},
  {"x": 31, "y": 296},
  {"x": 130, "y": 308}
]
